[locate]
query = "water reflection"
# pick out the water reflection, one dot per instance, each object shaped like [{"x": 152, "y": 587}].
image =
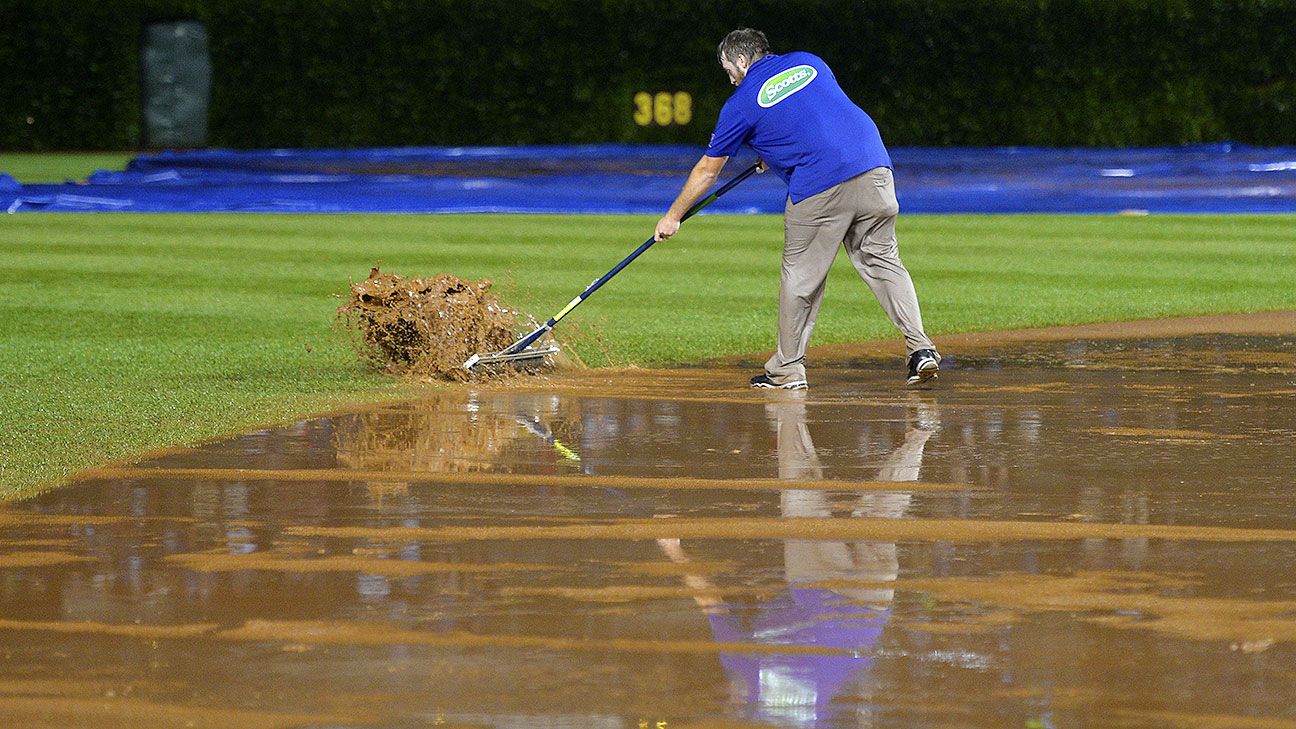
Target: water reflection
[
  {"x": 802, "y": 690},
  {"x": 306, "y": 570}
]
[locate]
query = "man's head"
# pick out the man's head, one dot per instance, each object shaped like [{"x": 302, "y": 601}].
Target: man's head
[{"x": 739, "y": 50}]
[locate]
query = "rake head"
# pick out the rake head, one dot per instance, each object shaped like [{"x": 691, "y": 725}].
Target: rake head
[{"x": 531, "y": 358}]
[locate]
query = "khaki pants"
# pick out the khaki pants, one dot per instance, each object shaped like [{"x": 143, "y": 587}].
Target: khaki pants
[
  {"x": 859, "y": 213},
  {"x": 822, "y": 560}
]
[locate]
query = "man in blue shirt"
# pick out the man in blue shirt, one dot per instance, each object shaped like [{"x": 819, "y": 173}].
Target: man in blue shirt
[{"x": 790, "y": 109}]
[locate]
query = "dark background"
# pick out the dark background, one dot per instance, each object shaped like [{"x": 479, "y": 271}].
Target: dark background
[{"x": 339, "y": 73}]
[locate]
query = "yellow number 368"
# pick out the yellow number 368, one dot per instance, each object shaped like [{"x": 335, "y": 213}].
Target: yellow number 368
[{"x": 663, "y": 108}]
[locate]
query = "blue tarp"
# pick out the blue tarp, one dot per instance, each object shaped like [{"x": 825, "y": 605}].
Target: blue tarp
[{"x": 616, "y": 178}]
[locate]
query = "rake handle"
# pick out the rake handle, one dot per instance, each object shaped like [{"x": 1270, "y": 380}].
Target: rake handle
[{"x": 529, "y": 339}]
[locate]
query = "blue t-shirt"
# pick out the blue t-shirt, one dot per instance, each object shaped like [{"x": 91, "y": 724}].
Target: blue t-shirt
[
  {"x": 790, "y": 109},
  {"x": 802, "y": 617}
]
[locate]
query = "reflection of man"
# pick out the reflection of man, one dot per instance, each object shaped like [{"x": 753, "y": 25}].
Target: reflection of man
[
  {"x": 790, "y": 109},
  {"x": 800, "y": 689}
]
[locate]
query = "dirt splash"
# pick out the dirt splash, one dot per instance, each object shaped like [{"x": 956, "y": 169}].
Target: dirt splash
[
  {"x": 266, "y": 562},
  {"x": 1137, "y": 601},
  {"x": 671, "y": 569},
  {"x": 363, "y": 633},
  {"x": 1187, "y": 720},
  {"x": 20, "y": 560},
  {"x": 9, "y": 519},
  {"x": 638, "y": 593},
  {"x": 869, "y": 529},
  {"x": 515, "y": 480},
  {"x": 119, "y": 630},
  {"x": 70, "y": 713},
  {"x": 1271, "y": 323},
  {"x": 1164, "y": 434},
  {"x": 725, "y": 724},
  {"x": 425, "y": 327}
]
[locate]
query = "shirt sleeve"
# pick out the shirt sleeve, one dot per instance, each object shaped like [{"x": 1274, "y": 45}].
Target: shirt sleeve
[{"x": 732, "y": 129}]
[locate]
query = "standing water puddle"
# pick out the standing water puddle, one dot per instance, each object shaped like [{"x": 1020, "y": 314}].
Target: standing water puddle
[{"x": 1070, "y": 534}]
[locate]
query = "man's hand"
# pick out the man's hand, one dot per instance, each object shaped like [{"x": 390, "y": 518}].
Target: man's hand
[
  {"x": 666, "y": 227},
  {"x": 700, "y": 180},
  {"x": 761, "y": 167}
]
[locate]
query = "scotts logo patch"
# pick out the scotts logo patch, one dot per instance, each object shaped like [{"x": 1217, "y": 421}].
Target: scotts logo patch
[{"x": 785, "y": 84}]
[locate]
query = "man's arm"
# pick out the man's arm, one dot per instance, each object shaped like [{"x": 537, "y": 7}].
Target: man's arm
[
  {"x": 699, "y": 182},
  {"x": 703, "y": 589}
]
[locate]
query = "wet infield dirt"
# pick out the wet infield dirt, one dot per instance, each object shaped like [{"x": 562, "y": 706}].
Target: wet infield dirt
[{"x": 1062, "y": 532}]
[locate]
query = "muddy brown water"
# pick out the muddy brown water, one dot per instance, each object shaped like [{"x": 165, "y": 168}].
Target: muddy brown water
[{"x": 1068, "y": 533}]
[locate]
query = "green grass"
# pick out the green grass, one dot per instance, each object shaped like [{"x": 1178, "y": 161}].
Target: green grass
[
  {"x": 120, "y": 333},
  {"x": 58, "y": 167}
]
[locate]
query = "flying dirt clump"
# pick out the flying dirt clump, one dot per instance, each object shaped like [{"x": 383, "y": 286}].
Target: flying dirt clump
[{"x": 425, "y": 327}]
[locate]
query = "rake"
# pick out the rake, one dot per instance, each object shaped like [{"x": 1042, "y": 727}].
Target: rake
[{"x": 518, "y": 354}]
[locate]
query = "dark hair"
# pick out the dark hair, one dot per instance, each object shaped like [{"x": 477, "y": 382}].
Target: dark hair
[{"x": 743, "y": 42}]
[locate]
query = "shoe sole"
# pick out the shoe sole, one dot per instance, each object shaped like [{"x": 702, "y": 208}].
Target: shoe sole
[
  {"x": 798, "y": 385},
  {"x": 926, "y": 373}
]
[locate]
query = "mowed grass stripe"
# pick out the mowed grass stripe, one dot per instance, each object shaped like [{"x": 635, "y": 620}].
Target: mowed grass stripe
[{"x": 122, "y": 333}]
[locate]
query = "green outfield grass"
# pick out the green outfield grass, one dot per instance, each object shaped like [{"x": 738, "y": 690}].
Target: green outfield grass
[
  {"x": 59, "y": 167},
  {"x": 122, "y": 333}
]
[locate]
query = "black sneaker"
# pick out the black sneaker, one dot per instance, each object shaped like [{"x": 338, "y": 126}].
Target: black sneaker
[
  {"x": 923, "y": 366},
  {"x": 763, "y": 380}
]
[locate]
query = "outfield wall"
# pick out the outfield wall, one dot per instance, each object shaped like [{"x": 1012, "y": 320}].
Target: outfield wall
[{"x": 294, "y": 73}]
